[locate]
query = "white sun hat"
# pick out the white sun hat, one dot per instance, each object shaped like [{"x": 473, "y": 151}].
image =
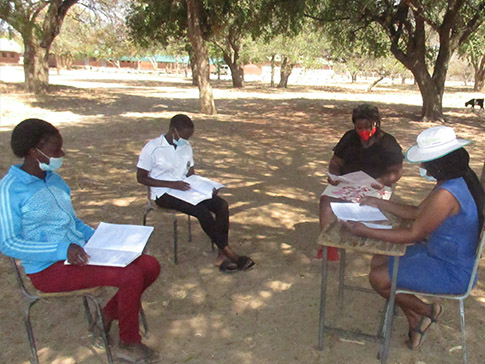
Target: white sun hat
[{"x": 434, "y": 143}]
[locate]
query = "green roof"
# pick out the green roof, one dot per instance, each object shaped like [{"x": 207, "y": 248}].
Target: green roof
[{"x": 158, "y": 58}]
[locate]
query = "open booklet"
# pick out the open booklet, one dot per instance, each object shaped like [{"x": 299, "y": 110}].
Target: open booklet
[
  {"x": 352, "y": 211},
  {"x": 116, "y": 245},
  {"x": 353, "y": 186},
  {"x": 201, "y": 189}
]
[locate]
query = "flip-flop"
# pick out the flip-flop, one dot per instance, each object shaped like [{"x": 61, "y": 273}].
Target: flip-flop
[
  {"x": 228, "y": 266},
  {"x": 433, "y": 318},
  {"x": 245, "y": 263}
]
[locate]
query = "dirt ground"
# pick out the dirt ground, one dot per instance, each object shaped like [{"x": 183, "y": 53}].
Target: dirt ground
[{"x": 270, "y": 147}]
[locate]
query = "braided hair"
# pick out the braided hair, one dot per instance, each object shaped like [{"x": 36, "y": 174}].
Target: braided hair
[
  {"x": 367, "y": 112},
  {"x": 455, "y": 165}
]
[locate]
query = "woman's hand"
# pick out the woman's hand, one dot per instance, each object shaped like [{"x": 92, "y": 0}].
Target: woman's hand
[
  {"x": 76, "y": 255},
  {"x": 180, "y": 185},
  {"x": 369, "y": 201},
  {"x": 333, "y": 182},
  {"x": 356, "y": 227},
  {"x": 379, "y": 185}
]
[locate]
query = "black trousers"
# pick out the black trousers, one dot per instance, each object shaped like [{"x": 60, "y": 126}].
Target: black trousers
[{"x": 217, "y": 228}]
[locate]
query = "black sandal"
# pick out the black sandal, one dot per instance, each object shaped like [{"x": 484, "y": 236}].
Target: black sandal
[
  {"x": 245, "y": 263},
  {"x": 228, "y": 266}
]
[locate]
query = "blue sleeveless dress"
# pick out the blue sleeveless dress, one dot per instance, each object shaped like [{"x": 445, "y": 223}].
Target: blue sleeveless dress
[{"x": 444, "y": 263}]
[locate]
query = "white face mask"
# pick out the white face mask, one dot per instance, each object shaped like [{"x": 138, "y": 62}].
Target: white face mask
[
  {"x": 54, "y": 163},
  {"x": 423, "y": 173}
]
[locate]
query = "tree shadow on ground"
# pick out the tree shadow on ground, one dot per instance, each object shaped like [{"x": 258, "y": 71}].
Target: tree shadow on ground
[{"x": 271, "y": 155}]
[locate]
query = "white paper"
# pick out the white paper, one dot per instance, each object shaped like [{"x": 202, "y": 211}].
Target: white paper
[
  {"x": 351, "y": 211},
  {"x": 201, "y": 189},
  {"x": 117, "y": 245},
  {"x": 377, "y": 226},
  {"x": 353, "y": 186}
]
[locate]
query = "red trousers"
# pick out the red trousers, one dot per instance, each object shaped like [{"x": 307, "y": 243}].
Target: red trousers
[{"x": 124, "y": 306}]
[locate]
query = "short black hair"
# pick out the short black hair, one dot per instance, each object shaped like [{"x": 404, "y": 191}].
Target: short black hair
[
  {"x": 28, "y": 134},
  {"x": 181, "y": 121},
  {"x": 367, "y": 112}
]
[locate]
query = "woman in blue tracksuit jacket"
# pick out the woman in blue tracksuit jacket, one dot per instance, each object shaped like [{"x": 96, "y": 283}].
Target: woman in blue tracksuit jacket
[{"x": 39, "y": 227}]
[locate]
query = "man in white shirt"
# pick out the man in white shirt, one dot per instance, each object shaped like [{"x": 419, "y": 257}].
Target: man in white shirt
[{"x": 164, "y": 163}]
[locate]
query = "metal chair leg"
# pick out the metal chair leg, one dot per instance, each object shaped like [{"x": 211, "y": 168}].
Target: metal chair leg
[
  {"x": 87, "y": 311},
  {"x": 104, "y": 335},
  {"x": 341, "y": 278},
  {"x": 323, "y": 298},
  {"x": 384, "y": 349},
  {"x": 145, "y": 215},
  {"x": 175, "y": 260},
  {"x": 190, "y": 228},
  {"x": 143, "y": 321},
  {"x": 30, "y": 332},
  {"x": 463, "y": 331}
]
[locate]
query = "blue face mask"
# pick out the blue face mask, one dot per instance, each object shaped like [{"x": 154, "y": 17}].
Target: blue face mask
[
  {"x": 422, "y": 173},
  {"x": 54, "y": 163},
  {"x": 180, "y": 141}
]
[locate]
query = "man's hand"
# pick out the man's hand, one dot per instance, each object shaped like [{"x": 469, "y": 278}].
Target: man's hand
[
  {"x": 214, "y": 192},
  {"x": 180, "y": 185},
  {"x": 76, "y": 255}
]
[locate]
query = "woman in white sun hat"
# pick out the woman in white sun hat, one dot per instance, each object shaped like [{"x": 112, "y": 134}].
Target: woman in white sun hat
[{"x": 446, "y": 228}]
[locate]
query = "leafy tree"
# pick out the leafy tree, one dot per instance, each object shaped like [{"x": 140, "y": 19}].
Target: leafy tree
[
  {"x": 196, "y": 36},
  {"x": 38, "y": 22},
  {"x": 153, "y": 21},
  {"x": 422, "y": 34},
  {"x": 224, "y": 24},
  {"x": 474, "y": 51}
]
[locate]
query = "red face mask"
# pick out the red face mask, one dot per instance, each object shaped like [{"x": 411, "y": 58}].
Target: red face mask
[{"x": 366, "y": 134}]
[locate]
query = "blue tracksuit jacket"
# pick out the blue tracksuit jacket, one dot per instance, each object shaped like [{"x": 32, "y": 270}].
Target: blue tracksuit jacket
[{"x": 37, "y": 220}]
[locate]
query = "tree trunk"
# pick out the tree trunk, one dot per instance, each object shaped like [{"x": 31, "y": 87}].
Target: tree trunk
[
  {"x": 272, "y": 70},
  {"x": 237, "y": 72},
  {"x": 353, "y": 76},
  {"x": 206, "y": 99},
  {"x": 369, "y": 89},
  {"x": 431, "y": 93},
  {"x": 479, "y": 75},
  {"x": 38, "y": 36},
  {"x": 285, "y": 72},
  {"x": 36, "y": 67}
]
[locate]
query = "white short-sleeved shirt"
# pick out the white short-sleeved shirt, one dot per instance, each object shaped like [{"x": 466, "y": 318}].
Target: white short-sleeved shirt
[{"x": 165, "y": 162}]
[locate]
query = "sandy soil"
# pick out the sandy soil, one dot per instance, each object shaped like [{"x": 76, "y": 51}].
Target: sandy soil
[{"x": 271, "y": 148}]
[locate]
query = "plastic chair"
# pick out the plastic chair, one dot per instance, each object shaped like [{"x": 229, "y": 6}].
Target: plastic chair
[
  {"x": 460, "y": 297},
  {"x": 32, "y": 298}
]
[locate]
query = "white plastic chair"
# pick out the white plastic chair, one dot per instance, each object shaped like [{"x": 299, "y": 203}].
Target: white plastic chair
[{"x": 460, "y": 297}]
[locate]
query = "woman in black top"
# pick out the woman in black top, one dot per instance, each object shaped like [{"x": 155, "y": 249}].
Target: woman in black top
[{"x": 365, "y": 148}]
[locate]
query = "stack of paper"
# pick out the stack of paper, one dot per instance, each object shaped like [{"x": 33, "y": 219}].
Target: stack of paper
[
  {"x": 353, "y": 186},
  {"x": 201, "y": 189},
  {"x": 117, "y": 245},
  {"x": 351, "y": 211}
]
